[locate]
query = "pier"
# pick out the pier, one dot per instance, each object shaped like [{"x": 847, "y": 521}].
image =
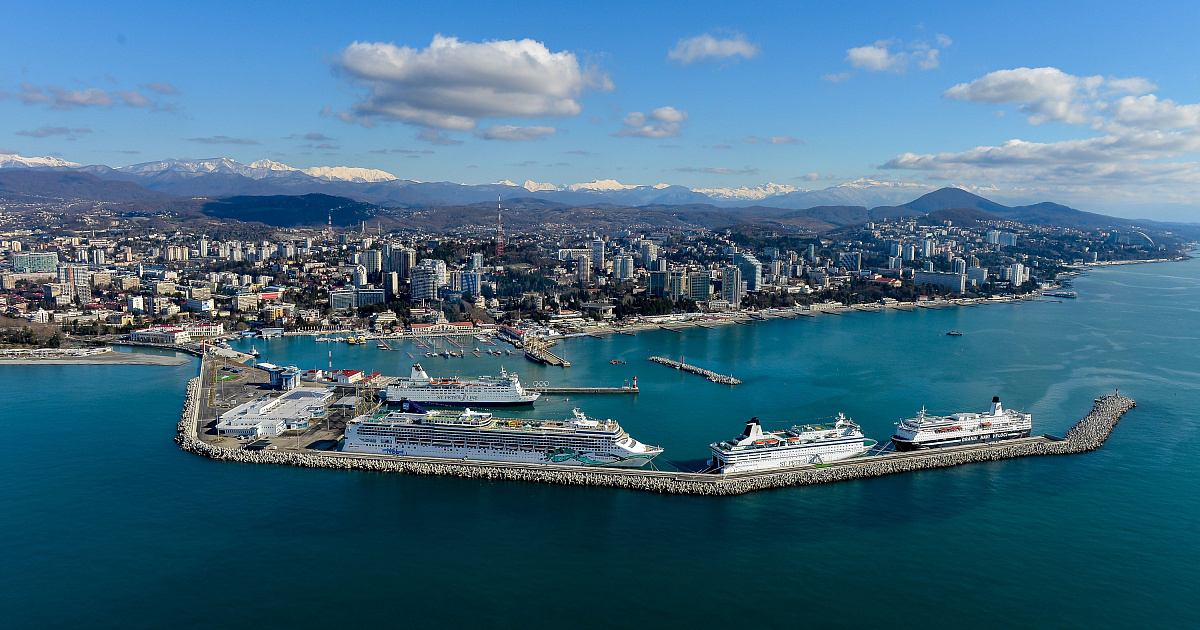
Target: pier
[
  {"x": 583, "y": 390},
  {"x": 540, "y": 352},
  {"x": 708, "y": 374},
  {"x": 1087, "y": 435}
]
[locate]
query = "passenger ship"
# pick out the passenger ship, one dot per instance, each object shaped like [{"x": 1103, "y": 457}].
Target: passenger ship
[
  {"x": 485, "y": 391},
  {"x": 576, "y": 441},
  {"x": 756, "y": 449},
  {"x": 925, "y": 431}
]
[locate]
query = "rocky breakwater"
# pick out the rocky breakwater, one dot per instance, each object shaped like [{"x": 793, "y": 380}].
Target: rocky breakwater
[{"x": 1088, "y": 434}]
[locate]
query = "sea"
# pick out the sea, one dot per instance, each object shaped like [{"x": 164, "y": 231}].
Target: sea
[{"x": 107, "y": 524}]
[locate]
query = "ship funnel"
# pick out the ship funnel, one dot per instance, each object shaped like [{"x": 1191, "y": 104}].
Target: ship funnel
[
  {"x": 753, "y": 428},
  {"x": 996, "y": 408}
]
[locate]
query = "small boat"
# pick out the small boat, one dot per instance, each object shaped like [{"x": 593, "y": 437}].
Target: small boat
[
  {"x": 617, "y": 362},
  {"x": 254, "y": 351},
  {"x": 954, "y": 333}
]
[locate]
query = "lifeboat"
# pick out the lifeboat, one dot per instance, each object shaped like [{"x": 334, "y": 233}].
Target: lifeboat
[{"x": 985, "y": 424}]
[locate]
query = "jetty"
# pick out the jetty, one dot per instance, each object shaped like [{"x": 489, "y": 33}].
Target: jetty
[
  {"x": 1087, "y": 435},
  {"x": 540, "y": 353},
  {"x": 633, "y": 389},
  {"x": 708, "y": 374}
]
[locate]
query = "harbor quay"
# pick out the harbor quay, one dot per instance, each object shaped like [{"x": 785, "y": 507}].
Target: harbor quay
[{"x": 1086, "y": 435}]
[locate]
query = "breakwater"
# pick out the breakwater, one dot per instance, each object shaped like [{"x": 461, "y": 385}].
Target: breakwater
[
  {"x": 708, "y": 374},
  {"x": 1088, "y": 434}
]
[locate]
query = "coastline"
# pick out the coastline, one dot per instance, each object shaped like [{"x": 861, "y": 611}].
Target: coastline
[{"x": 107, "y": 358}]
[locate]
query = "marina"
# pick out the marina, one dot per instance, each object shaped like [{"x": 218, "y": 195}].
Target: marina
[{"x": 1086, "y": 435}]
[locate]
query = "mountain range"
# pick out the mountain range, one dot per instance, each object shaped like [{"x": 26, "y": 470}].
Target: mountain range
[
  {"x": 277, "y": 194},
  {"x": 216, "y": 177}
]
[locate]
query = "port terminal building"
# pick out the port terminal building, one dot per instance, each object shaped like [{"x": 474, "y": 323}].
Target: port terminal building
[{"x": 268, "y": 417}]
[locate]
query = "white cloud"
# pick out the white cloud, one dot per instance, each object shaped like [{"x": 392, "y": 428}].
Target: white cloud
[
  {"x": 510, "y": 132},
  {"x": 836, "y": 78},
  {"x": 452, "y": 84},
  {"x": 879, "y": 57},
  {"x": 664, "y": 122},
  {"x": 223, "y": 140},
  {"x": 717, "y": 170},
  {"x": 432, "y": 136},
  {"x": 1148, "y": 143},
  {"x": 160, "y": 87},
  {"x": 772, "y": 140},
  {"x": 57, "y": 97},
  {"x": 706, "y": 48}
]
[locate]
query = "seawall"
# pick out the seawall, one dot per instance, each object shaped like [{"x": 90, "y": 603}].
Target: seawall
[{"x": 1088, "y": 434}]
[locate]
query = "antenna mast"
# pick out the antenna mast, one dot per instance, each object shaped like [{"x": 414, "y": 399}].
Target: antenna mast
[{"x": 499, "y": 230}]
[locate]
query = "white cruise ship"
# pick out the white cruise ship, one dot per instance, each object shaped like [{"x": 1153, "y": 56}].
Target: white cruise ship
[
  {"x": 485, "y": 391},
  {"x": 475, "y": 435},
  {"x": 926, "y": 431},
  {"x": 756, "y": 449}
]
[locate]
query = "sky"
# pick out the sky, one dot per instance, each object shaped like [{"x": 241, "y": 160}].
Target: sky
[{"x": 1096, "y": 106}]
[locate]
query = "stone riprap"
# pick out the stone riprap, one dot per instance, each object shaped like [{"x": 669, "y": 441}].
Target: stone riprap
[{"x": 1088, "y": 434}]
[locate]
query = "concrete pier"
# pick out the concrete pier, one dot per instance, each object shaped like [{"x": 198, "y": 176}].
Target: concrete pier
[
  {"x": 708, "y": 374},
  {"x": 1088, "y": 434},
  {"x": 583, "y": 390}
]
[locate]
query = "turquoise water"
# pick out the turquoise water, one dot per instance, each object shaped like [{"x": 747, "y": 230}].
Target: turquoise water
[{"x": 108, "y": 524}]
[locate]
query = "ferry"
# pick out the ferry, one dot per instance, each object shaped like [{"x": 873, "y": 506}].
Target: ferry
[
  {"x": 484, "y": 391},
  {"x": 473, "y": 435},
  {"x": 953, "y": 333},
  {"x": 926, "y": 431},
  {"x": 801, "y": 445}
]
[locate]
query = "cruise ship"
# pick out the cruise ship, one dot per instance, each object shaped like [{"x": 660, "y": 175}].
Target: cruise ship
[
  {"x": 756, "y": 449},
  {"x": 926, "y": 431},
  {"x": 485, "y": 391},
  {"x": 475, "y": 435}
]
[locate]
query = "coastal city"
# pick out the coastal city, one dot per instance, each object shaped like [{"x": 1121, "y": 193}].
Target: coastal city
[
  {"x": 507, "y": 315},
  {"x": 89, "y": 285}
]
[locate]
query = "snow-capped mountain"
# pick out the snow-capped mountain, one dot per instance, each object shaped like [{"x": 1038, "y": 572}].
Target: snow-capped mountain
[
  {"x": 12, "y": 160},
  {"x": 216, "y": 177},
  {"x": 763, "y": 191}
]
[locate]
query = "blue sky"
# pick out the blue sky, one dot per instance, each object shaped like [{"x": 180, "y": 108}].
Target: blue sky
[{"x": 1099, "y": 99}]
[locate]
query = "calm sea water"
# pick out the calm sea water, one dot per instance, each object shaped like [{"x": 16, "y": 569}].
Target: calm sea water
[{"x": 107, "y": 524}]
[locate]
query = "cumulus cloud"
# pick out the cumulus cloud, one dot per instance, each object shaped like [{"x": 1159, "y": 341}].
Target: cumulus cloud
[
  {"x": 452, "y": 84},
  {"x": 44, "y": 131},
  {"x": 1145, "y": 139},
  {"x": 664, "y": 122},
  {"x": 57, "y": 97},
  {"x": 772, "y": 140},
  {"x": 706, "y": 48},
  {"x": 513, "y": 133},
  {"x": 223, "y": 140},
  {"x": 810, "y": 177},
  {"x": 160, "y": 87},
  {"x": 438, "y": 138},
  {"x": 717, "y": 170},
  {"x": 880, "y": 56},
  {"x": 836, "y": 78}
]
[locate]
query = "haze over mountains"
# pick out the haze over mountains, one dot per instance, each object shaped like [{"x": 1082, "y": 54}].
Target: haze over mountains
[
  {"x": 224, "y": 177},
  {"x": 277, "y": 194}
]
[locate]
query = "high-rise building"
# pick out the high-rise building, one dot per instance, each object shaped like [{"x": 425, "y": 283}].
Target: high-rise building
[
  {"x": 677, "y": 283},
  {"x": 372, "y": 259},
  {"x": 203, "y": 247},
  {"x": 732, "y": 287},
  {"x": 928, "y": 248},
  {"x": 360, "y": 276},
  {"x": 597, "y": 254},
  {"x": 649, "y": 252},
  {"x": 699, "y": 285},
  {"x": 910, "y": 253},
  {"x": 476, "y": 261},
  {"x": 35, "y": 262},
  {"x": 472, "y": 283},
  {"x": 391, "y": 284},
  {"x": 751, "y": 271},
  {"x": 953, "y": 281},
  {"x": 623, "y": 267},
  {"x": 439, "y": 267},
  {"x": 850, "y": 261},
  {"x": 658, "y": 284},
  {"x": 960, "y": 265},
  {"x": 424, "y": 283}
]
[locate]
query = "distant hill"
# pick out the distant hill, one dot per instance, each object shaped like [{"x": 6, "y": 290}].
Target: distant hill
[
  {"x": 1045, "y": 213},
  {"x": 292, "y": 210},
  {"x": 26, "y": 185}
]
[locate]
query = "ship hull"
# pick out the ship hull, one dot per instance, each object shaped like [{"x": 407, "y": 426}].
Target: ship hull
[
  {"x": 790, "y": 457},
  {"x": 560, "y": 457},
  {"x": 464, "y": 403},
  {"x": 905, "y": 445}
]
